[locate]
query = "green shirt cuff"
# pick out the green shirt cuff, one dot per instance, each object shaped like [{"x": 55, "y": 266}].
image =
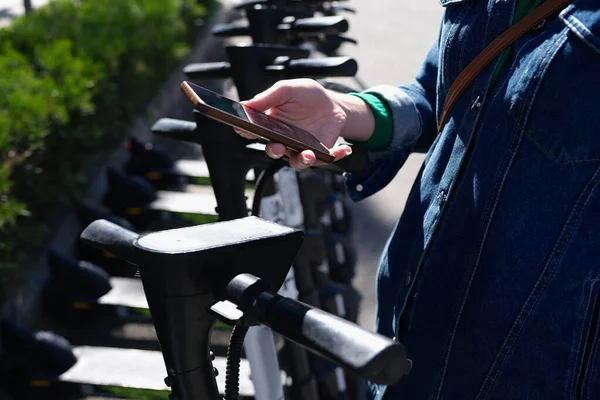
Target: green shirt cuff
[{"x": 384, "y": 125}]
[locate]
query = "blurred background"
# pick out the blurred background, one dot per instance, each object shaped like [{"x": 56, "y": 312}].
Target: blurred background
[{"x": 76, "y": 75}]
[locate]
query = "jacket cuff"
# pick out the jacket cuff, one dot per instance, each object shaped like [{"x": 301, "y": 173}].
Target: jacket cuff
[
  {"x": 384, "y": 125},
  {"x": 385, "y": 164}
]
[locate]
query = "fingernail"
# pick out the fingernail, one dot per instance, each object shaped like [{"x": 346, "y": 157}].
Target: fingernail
[
  {"x": 348, "y": 151},
  {"x": 272, "y": 155},
  {"x": 305, "y": 160}
]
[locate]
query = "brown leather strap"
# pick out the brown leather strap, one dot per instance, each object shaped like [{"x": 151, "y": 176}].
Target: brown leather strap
[{"x": 463, "y": 80}]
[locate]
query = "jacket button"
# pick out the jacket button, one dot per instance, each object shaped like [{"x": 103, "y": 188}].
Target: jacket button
[
  {"x": 477, "y": 103},
  {"x": 539, "y": 25},
  {"x": 359, "y": 188}
]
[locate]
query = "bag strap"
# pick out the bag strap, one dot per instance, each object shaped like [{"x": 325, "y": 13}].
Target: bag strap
[{"x": 507, "y": 38}]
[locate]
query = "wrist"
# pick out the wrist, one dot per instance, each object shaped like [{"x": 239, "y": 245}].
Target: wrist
[{"x": 359, "y": 122}]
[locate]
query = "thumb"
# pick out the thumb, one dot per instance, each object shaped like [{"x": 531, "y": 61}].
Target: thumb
[{"x": 276, "y": 95}]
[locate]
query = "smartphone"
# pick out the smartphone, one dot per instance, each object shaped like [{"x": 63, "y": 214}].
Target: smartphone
[{"x": 235, "y": 114}]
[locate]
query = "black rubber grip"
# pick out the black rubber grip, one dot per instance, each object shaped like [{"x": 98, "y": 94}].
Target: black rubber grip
[
  {"x": 231, "y": 30},
  {"x": 321, "y": 25},
  {"x": 176, "y": 129},
  {"x": 368, "y": 354},
  {"x": 208, "y": 70},
  {"x": 111, "y": 238},
  {"x": 321, "y": 67}
]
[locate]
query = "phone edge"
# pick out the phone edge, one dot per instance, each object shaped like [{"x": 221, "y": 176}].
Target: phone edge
[
  {"x": 189, "y": 92},
  {"x": 252, "y": 128}
]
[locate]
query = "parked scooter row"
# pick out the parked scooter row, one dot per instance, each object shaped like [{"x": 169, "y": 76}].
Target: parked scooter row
[{"x": 89, "y": 289}]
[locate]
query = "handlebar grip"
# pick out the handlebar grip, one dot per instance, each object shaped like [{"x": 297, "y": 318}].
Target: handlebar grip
[
  {"x": 111, "y": 238},
  {"x": 339, "y": 39},
  {"x": 320, "y": 25},
  {"x": 177, "y": 129},
  {"x": 209, "y": 70},
  {"x": 321, "y": 67},
  {"x": 231, "y": 30},
  {"x": 339, "y": 8},
  {"x": 368, "y": 354}
]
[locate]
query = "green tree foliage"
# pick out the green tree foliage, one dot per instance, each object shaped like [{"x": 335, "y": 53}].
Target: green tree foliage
[{"x": 72, "y": 75}]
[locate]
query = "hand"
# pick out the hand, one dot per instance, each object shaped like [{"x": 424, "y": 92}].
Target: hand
[{"x": 306, "y": 104}]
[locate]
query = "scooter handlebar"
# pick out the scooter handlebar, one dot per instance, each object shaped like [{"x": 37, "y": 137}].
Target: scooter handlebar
[
  {"x": 112, "y": 238},
  {"x": 368, "y": 354}
]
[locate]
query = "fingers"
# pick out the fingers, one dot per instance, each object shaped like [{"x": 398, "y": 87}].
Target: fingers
[
  {"x": 302, "y": 160},
  {"x": 275, "y": 150},
  {"x": 297, "y": 160},
  {"x": 341, "y": 151},
  {"x": 276, "y": 95},
  {"x": 245, "y": 134},
  {"x": 305, "y": 158}
]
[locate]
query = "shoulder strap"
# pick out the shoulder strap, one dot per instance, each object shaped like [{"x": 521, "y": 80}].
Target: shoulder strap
[{"x": 463, "y": 80}]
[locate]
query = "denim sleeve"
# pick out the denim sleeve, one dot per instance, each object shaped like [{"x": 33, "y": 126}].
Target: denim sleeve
[{"x": 413, "y": 109}]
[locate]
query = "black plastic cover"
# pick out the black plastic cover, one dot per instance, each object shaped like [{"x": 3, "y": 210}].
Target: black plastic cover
[
  {"x": 130, "y": 188},
  {"x": 321, "y": 25},
  {"x": 321, "y": 67},
  {"x": 88, "y": 214},
  {"x": 44, "y": 351},
  {"x": 76, "y": 279},
  {"x": 231, "y": 30},
  {"x": 177, "y": 129},
  {"x": 149, "y": 154}
]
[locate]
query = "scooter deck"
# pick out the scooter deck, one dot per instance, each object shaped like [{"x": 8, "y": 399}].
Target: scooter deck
[
  {"x": 126, "y": 292},
  {"x": 201, "y": 201},
  {"x": 141, "y": 369},
  {"x": 199, "y": 169}
]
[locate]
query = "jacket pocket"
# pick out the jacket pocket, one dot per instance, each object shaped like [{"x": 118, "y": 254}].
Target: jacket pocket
[
  {"x": 563, "y": 122},
  {"x": 587, "y": 383}
]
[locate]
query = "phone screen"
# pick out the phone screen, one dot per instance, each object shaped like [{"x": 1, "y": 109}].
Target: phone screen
[{"x": 259, "y": 119}]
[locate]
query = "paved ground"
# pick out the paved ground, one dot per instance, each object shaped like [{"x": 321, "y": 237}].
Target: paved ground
[{"x": 394, "y": 37}]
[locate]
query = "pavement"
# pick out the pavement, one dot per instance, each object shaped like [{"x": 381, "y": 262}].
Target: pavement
[{"x": 393, "y": 39}]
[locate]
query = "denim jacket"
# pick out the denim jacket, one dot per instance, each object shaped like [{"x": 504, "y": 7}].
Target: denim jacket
[{"x": 491, "y": 278}]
